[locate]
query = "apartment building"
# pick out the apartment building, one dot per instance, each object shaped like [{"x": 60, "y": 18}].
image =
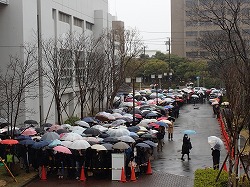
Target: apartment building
[
  {"x": 184, "y": 31},
  {"x": 22, "y": 21}
]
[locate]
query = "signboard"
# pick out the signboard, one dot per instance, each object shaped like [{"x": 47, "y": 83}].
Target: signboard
[{"x": 118, "y": 161}]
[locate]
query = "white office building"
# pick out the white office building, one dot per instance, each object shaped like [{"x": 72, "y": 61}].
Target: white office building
[{"x": 22, "y": 20}]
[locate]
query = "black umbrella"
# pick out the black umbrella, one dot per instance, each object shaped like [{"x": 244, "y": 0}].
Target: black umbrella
[
  {"x": 60, "y": 131},
  {"x": 137, "y": 111},
  {"x": 104, "y": 135},
  {"x": 108, "y": 146},
  {"x": 30, "y": 121},
  {"x": 110, "y": 140},
  {"x": 92, "y": 131},
  {"x": 151, "y": 115},
  {"x": 133, "y": 128},
  {"x": 47, "y": 125},
  {"x": 2, "y": 125},
  {"x": 143, "y": 145},
  {"x": 145, "y": 113},
  {"x": 150, "y": 143}
]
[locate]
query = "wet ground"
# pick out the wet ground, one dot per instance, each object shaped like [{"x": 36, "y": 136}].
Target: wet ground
[{"x": 168, "y": 169}]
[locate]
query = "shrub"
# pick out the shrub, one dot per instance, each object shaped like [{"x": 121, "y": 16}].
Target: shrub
[
  {"x": 71, "y": 120},
  {"x": 206, "y": 177}
]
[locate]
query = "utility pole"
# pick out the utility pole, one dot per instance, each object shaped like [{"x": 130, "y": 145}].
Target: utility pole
[{"x": 168, "y": 44}]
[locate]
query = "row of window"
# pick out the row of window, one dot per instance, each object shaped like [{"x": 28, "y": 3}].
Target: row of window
[
  {"x": 63, "y": 17},
  {"x": 196, "y": 54}
]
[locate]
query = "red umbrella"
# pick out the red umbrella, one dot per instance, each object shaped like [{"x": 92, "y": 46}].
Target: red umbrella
[
  {"x": 55, "y": 127},
  {"x": 139, "y": 116},
  {"x": 62, "y": 149},
  {"x": 29, "y": 132},
  {"x": 9, "y": 142},
  {"x": 161, "y": 118}
]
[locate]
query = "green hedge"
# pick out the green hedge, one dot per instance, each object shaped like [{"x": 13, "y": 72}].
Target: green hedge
[
  {"x": 72, "y": 120},
  {"x": 206, "y": 178}
]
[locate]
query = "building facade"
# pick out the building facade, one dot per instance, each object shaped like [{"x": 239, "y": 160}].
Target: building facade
[
  {"x": 184, "y": 31},
  {"x": 23, "y": 20}
]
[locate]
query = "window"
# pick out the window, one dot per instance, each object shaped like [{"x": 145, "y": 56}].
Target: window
[
  {"x": 192, "y": 54},
  {"x": 192, "y": 33},
  {"x": 192, "y": 44},
  {"x": 66, "y": 67},
  {"x": 78, "y": 22},
  {"x": 64, "y": 17},
  {"x": 89, "y": 26}
]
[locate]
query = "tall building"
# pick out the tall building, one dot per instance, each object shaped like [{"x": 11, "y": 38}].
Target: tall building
[
  {"x": 22, "y": 20},
  {"x": 184, "y": 31}
]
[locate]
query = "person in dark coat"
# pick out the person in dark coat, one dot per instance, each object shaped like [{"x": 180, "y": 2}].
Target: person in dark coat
[
  {"x": 176, "y": 110},
  {"x": 186, "y": 146},
  {"x": 216, "y": 158}
]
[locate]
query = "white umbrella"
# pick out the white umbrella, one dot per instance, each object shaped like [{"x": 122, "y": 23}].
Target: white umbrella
[
  {"x": 118, "y": 122},
  {"x": 66, "y": 126},
  {"x": 118, "y": 132},
  {"x": 71, "y": 136},
  {"x": 194, "y": 96},
  {"x": 77, "y": 128},
  {"x": 215, "y": 142},
  {"x": 98, "y": 147},
  {"x": 82, "y": 124},
  {"x": 117, "y": 115},
  {"x": 66, "y": 143},
  {"x": 100, "y": 128},
  {"x": 145, "y": 122},
  {"x": 79, "y": 144},
  {"x": 127, "y": 139}
]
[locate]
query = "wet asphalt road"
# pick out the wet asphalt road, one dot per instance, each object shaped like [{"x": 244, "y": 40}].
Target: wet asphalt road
[
  {"x": 167, "y": 164},
  {"x": 205, "y": 124}
]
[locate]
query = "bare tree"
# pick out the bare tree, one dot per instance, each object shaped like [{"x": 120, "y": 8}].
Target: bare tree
[
  {"x": 228, "y": 47},
  {"x": 18, "y": 84},
  {"x": 121, "y": 46}
]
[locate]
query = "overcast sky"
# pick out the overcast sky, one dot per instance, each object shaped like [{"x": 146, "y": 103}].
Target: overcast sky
[{"x": 150, "y": 17}]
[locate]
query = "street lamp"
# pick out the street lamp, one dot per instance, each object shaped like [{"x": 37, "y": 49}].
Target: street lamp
[
  {"x": 133, "y": 80},
  {"x": 170, "y": 80},
  {"x": 155, "y": 85}
]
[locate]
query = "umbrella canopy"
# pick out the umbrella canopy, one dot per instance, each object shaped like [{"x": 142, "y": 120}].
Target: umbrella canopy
[
  {"x": 39, "y": 145},
  {"x": 100, "y": 128},
  {"x": 91, "y": 139},
  {"x": 120, "y": 145},
  {"x": 134, "y": 128},
  {"x": 60, "y": 131},
  {"x": 118, "y": 122},
  {"x": 103, "y": 135},
  {"x": 108, "y": 146},
  {"x": 133, "y": 135},
  {"x": 54, "y": 128},
  {"x": 127, "y": 139},
  {"x": 22, "y": 137},
  {"x": 71, "y": 136},
  {"x": 150, "y": 143},
  {"x": 118, "y": 132},
  {"x": 89, "y": 120},
  {"x": 117, "y": 115},
  {"x": 9, "y": 142},
  {"x": 62, "y": 149},
  {"x": 143, "y": 145},
  {"x": 79, "y": 144},
  {"x": 215, "y": 142},
  {"x": 98, "y": 147},
  {"x": 161, "y": 123},
  {"x": 2, "y": 125},
  {"x": 66, "y": 126},
  {"x": 194, "y": 96},
  {"x": 47, "y": 125},
  {"x": 66, "y": 143},
  {"x": 82, "y": 124},
  {"x": 167, "y": 122},
  {"x": 30, "y": 121},
  {"x": 92, "y": 131},
  {"x": 151, "y": 115},
  {"x": 29, "y": 132},
  {"x": 27, "y": 142},
  {"x": 55, "y": 143},
  {"x": 111, "y": 140},
  {"x": 77, "y": 128},
  {"x": 50, "y": 136},
  {"x": 104, "y": 116},
  {"x": 189, "y": 132},
  {"x": 145, "y": 122}
]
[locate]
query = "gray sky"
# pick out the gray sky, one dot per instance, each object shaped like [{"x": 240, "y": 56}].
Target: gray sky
[{"x": 150, "y": 17}]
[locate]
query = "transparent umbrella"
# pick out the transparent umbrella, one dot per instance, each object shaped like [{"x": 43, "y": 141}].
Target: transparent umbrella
[{"x": 215, "y": 142}]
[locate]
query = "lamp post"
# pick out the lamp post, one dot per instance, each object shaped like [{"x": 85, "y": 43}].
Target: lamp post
[
  {"x": 170, "y": 80},
  {"x": 133, "y": 80},
  {"x": 156, "y": 85}
]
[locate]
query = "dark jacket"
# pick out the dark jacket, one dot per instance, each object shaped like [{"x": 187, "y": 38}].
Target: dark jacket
[{"x": 186, "y": 146}]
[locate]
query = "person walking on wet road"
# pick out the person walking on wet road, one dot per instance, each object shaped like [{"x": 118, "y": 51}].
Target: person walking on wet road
[
  {"x": 186, "y": 147},
  {"x": 216, "y": 158},
  {"x": 160, "y": 138}
]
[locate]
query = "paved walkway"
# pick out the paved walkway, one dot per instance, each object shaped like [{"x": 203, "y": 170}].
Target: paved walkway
[{"x": 168, "y": 169}]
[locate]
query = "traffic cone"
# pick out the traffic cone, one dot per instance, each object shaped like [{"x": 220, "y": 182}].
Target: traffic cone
[
  {"x": 225, "y": 167},
  {"x": 149, "y": 170},
  {"x": 133, "y": 177},
  {"x": 82, "y": 176},
  {"x": 123, "y": 177},
  {"x": 43, "y": 174}
]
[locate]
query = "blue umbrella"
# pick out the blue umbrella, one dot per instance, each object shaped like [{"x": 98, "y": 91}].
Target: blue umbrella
[
  {"x": 161, "y": 123},
  {"x": 38, "y": 145},
  {"x": 55, "y": 142},
  {"x": 22, "y": 137},
  {"x": 27, "y": 142},
  {"x": 189, "y": 132},
  {"x": 89, "y": 120},
  {"x": 150, "y": 143}
]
